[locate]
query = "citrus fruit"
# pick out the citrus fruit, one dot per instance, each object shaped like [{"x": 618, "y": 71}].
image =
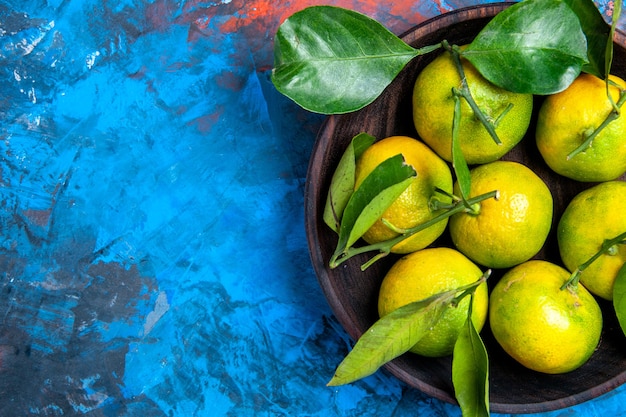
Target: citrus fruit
[
  {"x": 541, "y": 326},
  {"x": 433, "y": 111},
  {"x": 510, "y": 228},
  {"x": 564, "y": 120},
  {"x": 412, "y": 206},
  {"x": 421, "y": 274},
  {"x": 593, "y": 216}
]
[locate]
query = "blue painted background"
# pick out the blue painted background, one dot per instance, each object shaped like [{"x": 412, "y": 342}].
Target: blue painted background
[{"x": 152, "y": 246}]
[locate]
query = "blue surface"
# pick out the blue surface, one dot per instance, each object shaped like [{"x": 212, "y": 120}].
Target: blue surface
[{"x": 154, "y": 261}]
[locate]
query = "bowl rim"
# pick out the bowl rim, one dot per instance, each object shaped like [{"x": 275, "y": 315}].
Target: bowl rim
[{"x": 345, "y": 317}]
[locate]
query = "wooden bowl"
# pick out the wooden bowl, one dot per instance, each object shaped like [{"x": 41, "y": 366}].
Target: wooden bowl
[{"x": 352, "y": 294}]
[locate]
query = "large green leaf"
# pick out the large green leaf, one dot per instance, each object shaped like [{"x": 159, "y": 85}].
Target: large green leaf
[
  {"x": 535, "y": 47},
  {"x": 391, "y": 336},
  {"x": 458, "y": 160},
  {"x": 370, "y": 200},
  {"x": 470, "y": 372},
  {"x": 596, "y": 31},
  {"x": 332, "y": 60},
  {"x": 342, "y": 182}
]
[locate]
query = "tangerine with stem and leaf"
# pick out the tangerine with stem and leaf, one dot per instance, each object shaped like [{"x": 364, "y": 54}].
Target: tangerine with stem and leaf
[
  {"x": 543, "y": 326},
  {"x": 580, "y": 133},
  {"x": 493, "y": 120}
]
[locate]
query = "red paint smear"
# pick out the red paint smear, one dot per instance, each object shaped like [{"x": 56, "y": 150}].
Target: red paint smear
[
  {"x": 38, "y": 217},
  {"x": 231, "y": 25},
  {"x": 257, "y": 21},
  {"x": 229, "y": 80},
  {"x": 205, "y": 123},
  {"x": 138, "y": 74},
  {"x": 176, "y": 66},
  {"x": 157, "y": 14}
]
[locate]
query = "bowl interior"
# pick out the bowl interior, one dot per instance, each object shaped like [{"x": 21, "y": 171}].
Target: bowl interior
[{"x": 352, "y": 294}]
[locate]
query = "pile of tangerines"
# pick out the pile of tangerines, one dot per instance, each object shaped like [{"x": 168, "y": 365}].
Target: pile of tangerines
[{"x": 536, "y": 313}]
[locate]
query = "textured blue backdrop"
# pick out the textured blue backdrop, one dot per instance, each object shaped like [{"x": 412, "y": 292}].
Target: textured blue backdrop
[{"x": 152, "y": 246}]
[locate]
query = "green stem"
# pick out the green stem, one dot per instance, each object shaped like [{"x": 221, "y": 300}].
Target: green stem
[
  {"x": 605, "y": 248},
  {"x": 447, "y": 194},
  {"x": 435, "y": 204},
  {"x": 504, "y": 113},
  {"x": 608, "y": 54},
  {"x": 384, "y": 247},
  {"x": 589, "y": 137},
  {"x": 470, "y": 289},
  {"x": 465, "y": 92},
  {"x": 428, "y": 49}
]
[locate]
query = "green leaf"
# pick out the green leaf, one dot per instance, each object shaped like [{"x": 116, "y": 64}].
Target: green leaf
[
  {"x": 534, "y": 47},
  {"x": 619, "y": 297},
  {"x": 597, "y": 33},
  {"x": 370, "y": 200},
  {"x": 459, "y": 163},
  {"x": 342, "y": 182},
  {"x": 332, "y": 60},
  {"x": 470, "y": 371},
  {"x": 391, "y": 336}
]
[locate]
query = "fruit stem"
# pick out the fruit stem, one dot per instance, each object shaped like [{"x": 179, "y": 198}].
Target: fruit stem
[
  {"x": 470, "y": 289},
  {"x": 504, "y": 113},
  {"x": 465, "y": 92},
  {"x": 428, "y": 49},
  {"x": 590, "y": 136},
  {"x": 384, "y": 247},
  {"x": 607, "y": 247},
  {"x": 447, "y": 194}
]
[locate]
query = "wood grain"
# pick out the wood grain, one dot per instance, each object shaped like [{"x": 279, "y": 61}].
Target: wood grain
[{"x": 352, "y": 294}]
